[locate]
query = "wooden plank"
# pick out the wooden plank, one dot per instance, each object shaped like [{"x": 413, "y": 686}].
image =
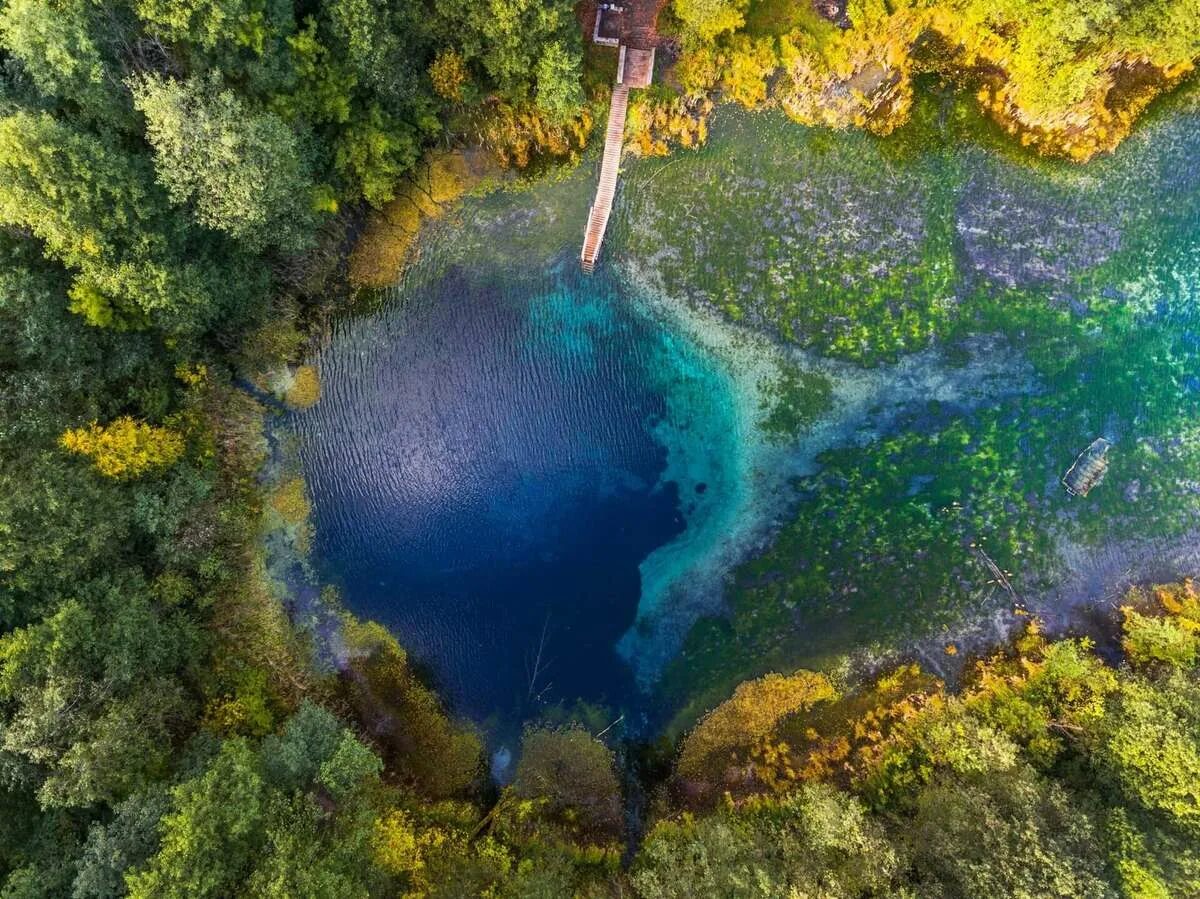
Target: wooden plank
[
  {"x": 637, "y": 68},
  {"x": 609, "y": 167}
]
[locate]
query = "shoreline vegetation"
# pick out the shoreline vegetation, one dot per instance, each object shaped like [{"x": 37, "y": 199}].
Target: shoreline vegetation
[
  {"x": 1069, "y": 81},
  {"x": 178, "y": 181}
]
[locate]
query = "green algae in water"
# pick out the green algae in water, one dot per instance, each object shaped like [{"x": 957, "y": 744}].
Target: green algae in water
[
  {"x": 1086, "y": 274},
  {"x": 793, "y": 402}
]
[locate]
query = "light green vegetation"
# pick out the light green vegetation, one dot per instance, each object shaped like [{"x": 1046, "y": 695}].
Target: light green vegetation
[
  {"x": 862, "y": 248},
  {"x": 782, "y": 230}
]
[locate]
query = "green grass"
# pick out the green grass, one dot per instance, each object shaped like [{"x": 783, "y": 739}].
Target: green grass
[{"x": 778, "y": 17}]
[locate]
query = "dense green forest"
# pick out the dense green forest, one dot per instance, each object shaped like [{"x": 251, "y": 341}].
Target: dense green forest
[{"x": 178, "y": 182}]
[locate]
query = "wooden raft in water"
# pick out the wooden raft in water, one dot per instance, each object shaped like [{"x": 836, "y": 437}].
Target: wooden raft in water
[{"x": 1088, "y": 469}]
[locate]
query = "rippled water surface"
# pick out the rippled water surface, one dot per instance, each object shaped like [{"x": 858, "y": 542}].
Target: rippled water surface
[
  {"x": 487, "y": 468},
  {"x": 820, "y": 387}
]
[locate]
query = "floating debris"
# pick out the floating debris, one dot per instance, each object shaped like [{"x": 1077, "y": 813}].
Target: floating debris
[{"x": 1089, "y": 468}]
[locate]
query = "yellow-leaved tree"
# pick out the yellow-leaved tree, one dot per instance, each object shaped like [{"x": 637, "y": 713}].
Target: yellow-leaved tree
[{"x": 125, "y": 448}]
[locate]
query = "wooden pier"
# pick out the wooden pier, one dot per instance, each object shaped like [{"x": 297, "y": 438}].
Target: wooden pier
[{"x": 635, "y": 68}]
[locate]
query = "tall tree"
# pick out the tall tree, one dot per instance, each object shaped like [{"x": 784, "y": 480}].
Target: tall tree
[
  {"x": 97, "y": 210},
  {"x": 242, "y": 171}
]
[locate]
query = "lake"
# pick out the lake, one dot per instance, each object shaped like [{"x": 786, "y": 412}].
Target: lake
[{"x": 813, "y": 408}]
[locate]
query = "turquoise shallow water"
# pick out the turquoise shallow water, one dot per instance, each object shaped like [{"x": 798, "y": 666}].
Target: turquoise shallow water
[{"x": 511, "y": 457}]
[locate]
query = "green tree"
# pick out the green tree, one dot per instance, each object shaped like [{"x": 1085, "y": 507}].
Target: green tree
[
  {"x": 125, "y": 842},
  {"x": 242, "y": 171},
  {"x": 385, "y": 43},
  {"x": 93, "y": 692},
  {"x": 1003, "y": 833},
  {"x": 294, "y": 817},
  {"x": 244, "y": 41},
  {"x": 97, "y": 211},
  {"x": 559, "y": 92},
  {"x": 64, "y": 46},
  {"x": 818, "y": 841},
  {"x": 572, "y": 778},
  {"x": 373, "y": 152},
  {"x": 213, "y": 833},
  {"x": 519, "y": 43},
  {"x": 1149, "y": 745},
  {"x": 324, "y": 86}
]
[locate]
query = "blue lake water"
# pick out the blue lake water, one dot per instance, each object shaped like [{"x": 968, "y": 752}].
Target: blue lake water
[{"x": 503, "y": 479}]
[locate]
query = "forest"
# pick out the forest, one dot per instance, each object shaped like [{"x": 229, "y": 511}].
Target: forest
[{"x": 180, "y": 183}]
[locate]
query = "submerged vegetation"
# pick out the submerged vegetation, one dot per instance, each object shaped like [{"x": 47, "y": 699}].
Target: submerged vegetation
[
  {"x": 1087, "y": 310},
  {"x": 178, "y": 179}
]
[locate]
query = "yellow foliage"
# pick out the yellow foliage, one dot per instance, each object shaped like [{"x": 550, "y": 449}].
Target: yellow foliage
[
  {"x": 324, "y": 199},
  {"x": 841, "y": 739},
  {"x": 305, "y": 388},
  {"x": 395, "y": 845},
  {"x": 384, "y": 246},
  {"x": 653, "y": 124},
  {"x": 1180, "y": 599},
  {"x": 699, "y": 69},
  {"x": 1067, "y": 79},
  {"x": 751, "y": 63},
  {"x": 291, "y": 502},
  {"x": 125, "y": 448},
  {"x": 1169, "y": 632},
  {"x": 751, "y": 714},
  {"x": 449, "y": 74},
  {"x": 99, "y": 311},
  {"x": 519, "y": 135},
  {"x": 856, "y": 78},
  {"x": 708, "y": 18},
  {"x": 192, "y": 375}
]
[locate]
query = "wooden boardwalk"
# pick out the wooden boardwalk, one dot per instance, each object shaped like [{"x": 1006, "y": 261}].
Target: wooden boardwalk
[
  {"x": 635, "y": 68},
  {"x": 614, "y": 139}
]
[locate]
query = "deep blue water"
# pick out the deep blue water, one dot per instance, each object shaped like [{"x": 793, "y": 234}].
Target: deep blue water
[{"x": 501, "y": 479}]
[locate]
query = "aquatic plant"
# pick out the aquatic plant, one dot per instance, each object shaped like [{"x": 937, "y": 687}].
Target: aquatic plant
[
  {"x": 792, "y": 402},
  {"x": 305, "y": 388},
  {"x": 387, "y": 240}
]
